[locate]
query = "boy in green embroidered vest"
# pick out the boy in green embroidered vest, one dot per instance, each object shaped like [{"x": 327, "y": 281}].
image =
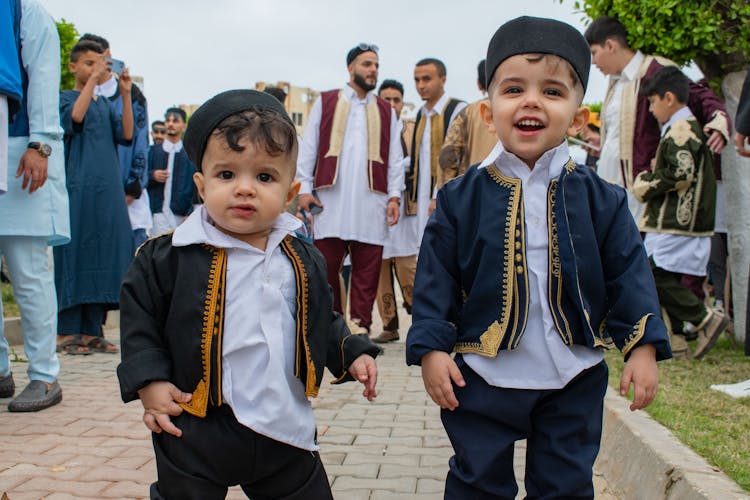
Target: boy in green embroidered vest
[
  {"x": 227, "y": 323},
  {"x": 680, "y": 198},
  {"x": 529, "y": 266}
]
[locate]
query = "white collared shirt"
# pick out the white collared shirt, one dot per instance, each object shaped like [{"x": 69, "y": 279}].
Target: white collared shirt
[
  {"x": 541, "y": 360},
  {"x": 259, "y": 340},
  {"x": 108, "y": 88},
  {"x": 608, "y": 166},
  {"x": 425, "y": 192},
  {"x": 167, "y": 220},
  {"x": 401, "y": 240},
  {"x": 673, "y": 252},
  {"x": 351, "y": 211}
]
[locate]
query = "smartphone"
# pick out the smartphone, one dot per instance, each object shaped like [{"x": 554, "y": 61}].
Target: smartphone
[
  {"x": 315, "y": 209},
  {"x": 116, "y": 65}
]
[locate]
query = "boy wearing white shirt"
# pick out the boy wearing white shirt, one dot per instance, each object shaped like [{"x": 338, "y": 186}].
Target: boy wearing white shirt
[
  {"x": 678, "y": 218},
  {"x": 528, "y": 267},
  {"x": 227, "y": 323}
]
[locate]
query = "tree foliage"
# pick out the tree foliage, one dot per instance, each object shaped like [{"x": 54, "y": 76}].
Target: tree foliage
[
  {"x": 68, "y": 37},
  {"x": 713, "y": 33}
]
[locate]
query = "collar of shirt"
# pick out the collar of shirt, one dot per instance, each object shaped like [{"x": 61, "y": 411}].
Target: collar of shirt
[
  {"x": 108, "y": 88},
  {"x": 681, "y": 114},
  {"x": 352, "y": 95},
  {"x": 630, "y": 71},
  {"x": 551, "y": 161},
  {"x": 198, "y": 229},
  {"x": 169, "y": 147},
  {"x": 437, "y": 108}
]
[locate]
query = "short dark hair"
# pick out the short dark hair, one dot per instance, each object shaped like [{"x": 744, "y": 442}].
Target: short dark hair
[
  {"x": 103, "y": 43},
  {"x": 263, "y": 127},
  {"x": 277, "y": 92},
  {"x": 82, "y": 47},
  {"x": 606, "y": 28},
  {"x": 482, "y": 74},
  {"x": 391, "y": 84},
  {"x": 176, "y": 111},
  {"x": 442, "y": 71},
  {"x": 155, "y": 123},
  {"x": 667, "y": 79}
]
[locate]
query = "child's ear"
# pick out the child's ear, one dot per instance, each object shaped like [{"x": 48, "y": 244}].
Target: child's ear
[
  {"x": 485, "y": 108},
  {"x": 293, "y": 192},
  {"x": 198, "y": 180},
  {"x": 580, "y": 119}
]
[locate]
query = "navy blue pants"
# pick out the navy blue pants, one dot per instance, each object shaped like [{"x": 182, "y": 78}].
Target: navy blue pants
[{"x": 562, "y": 427}]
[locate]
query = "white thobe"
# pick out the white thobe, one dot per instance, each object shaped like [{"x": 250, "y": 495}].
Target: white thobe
[
  {"x": 351, "y": 210},
  {"x": 608, "y": 166},
  {"x": 259, "y": 340},
  {"x": 541, "y": 360},
  {"x": 673, "y": 252}
]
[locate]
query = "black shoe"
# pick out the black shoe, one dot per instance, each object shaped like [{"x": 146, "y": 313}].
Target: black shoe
[
  {"x": 7, "y": 386},
  {"x": 36, "y": 397}
]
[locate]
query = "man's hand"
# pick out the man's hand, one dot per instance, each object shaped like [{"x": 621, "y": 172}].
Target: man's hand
[
  {"x": 364, "y": 370},
  {"x": 642, "y": 372},
  {"x": 433, "y": 205},
  {"x": 159, "y": 401},
  {"x": 715, "y": 142},
  {"x": 33, "y": 167},
  {"x": 393, "y": 211},
  {"x": 305, "y": 201},
  {"x": 438, "y": 370},
  {"x": 740, "y": 142},
  {"x": 161, "y": 175},
  {"x": 125, "y": 82}
]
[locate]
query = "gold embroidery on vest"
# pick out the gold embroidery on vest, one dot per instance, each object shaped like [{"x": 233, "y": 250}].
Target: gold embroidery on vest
[{"x": 639, "y": 329}]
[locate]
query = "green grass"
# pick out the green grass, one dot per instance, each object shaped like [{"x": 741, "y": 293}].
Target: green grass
[
  {"x": 711, "y": 423},
  {"x": 10, "y": 308}
]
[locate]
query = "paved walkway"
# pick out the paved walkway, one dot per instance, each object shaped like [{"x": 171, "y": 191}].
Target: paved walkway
[{"x": 93, "y": 446}]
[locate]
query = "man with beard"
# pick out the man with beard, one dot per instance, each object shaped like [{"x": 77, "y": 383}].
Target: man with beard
[
  {"x": 171, "y": 190},
  {"x": 351, "y": 155}
]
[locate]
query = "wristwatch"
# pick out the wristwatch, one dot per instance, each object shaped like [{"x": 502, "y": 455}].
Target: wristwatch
[{"x": 43, "y": 149}]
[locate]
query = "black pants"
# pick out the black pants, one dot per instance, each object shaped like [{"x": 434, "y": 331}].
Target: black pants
[
  {"x": 562, "y": 429},
  {"x": 217, "y": 452}
]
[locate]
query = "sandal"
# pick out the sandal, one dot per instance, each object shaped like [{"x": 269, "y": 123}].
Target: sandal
[
  {"x": 100, "y": 344},
  {"x": 74, "y": 345}
]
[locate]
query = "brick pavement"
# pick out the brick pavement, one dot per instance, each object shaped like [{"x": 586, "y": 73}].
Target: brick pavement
[{"x": 93, "y": 446}]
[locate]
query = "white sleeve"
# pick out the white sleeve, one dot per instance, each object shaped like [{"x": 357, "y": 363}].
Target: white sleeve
[
  {"x": 395, "y": 159},
  {"x": 308, "y": 149}
]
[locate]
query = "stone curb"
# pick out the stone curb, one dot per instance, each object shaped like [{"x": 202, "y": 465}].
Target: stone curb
[{"x": 642, "y": 459}]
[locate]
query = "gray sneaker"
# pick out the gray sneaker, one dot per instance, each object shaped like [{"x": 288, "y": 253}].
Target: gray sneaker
[
  {"x": 36, "y": 397},
  {"x": 708, "y": 335},
  {"x": 7, "y": 386}
]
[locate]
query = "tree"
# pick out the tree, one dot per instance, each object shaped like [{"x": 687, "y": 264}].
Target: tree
[
  {"x": 68, "y": 37},
  {"x": 715, "y": 34}
]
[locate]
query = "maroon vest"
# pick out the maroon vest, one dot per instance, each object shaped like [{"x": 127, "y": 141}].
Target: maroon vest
[{"x": 326, "y": 169}]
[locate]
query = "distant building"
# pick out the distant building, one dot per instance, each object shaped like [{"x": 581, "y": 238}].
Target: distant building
[{"x": 298, "y": 103}]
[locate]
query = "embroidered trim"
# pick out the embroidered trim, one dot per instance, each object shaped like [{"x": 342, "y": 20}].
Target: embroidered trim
[
  {"x": 554, "y": 283},
  {"x": 301, "y": 279},
  {"x": 491, "y": 339},
  {"x": 343, "y": 358},
  {"x": 639, "y": 329},
  {"x": 217, "y": 274}
]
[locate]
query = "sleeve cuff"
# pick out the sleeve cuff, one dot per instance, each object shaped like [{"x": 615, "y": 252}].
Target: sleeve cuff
[{"x": 429, "y": 335}]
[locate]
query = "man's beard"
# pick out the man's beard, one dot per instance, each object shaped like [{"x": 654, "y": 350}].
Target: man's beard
[{"x": 362, "y": 83}]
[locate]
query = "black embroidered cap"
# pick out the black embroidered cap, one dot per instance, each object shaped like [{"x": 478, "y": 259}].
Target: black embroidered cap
[
  {"x": 536, "y": 35},
  {"x": 205, "y": 119}
]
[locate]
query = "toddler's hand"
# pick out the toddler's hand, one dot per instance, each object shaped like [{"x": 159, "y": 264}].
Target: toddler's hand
[
  {"x": 438, "y": 370},
  {"x": 364, "y": 370},
  {"x": 159, "y": 401},
  {"x": 642, "y": 372}
]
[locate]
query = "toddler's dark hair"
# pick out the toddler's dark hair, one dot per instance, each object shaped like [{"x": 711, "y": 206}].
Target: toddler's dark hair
[{"x": 263, "y": 127}]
